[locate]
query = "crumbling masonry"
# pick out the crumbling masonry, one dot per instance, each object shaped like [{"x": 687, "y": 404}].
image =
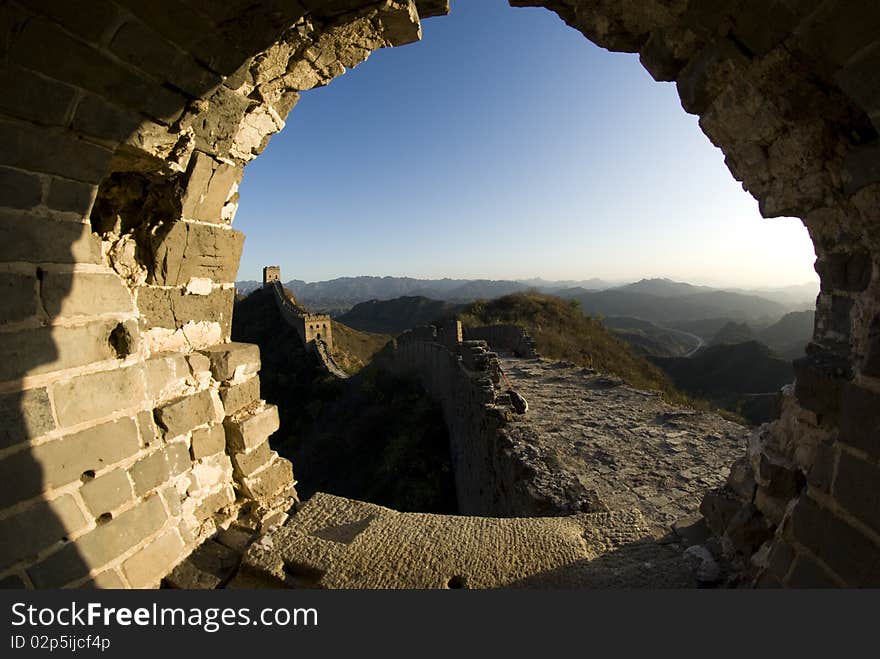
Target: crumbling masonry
[{"x": 131, "y": 428}]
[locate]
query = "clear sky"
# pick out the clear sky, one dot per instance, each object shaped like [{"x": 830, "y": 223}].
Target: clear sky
[{"x": 505, "y": 145}]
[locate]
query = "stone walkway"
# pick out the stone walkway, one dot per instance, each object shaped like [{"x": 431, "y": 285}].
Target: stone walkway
[{"x": 595, "y": 443}]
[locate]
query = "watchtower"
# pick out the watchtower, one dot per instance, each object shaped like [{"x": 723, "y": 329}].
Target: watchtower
[{"x": 271, "y": 273}]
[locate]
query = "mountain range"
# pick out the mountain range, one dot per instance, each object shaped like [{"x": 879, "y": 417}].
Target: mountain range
[{"x": 657, "y": 300}]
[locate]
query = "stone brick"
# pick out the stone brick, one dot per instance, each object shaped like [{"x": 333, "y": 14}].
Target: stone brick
[
  {"x": 719, "y": 506},
  {"x": 249, "y": 429},
  {"x": 861, "y": 167},
  {"x": 150, "y": 472},
  {"x": 270, "y": 481},
  {"x": 208, "y": 441},
  {"x": 173, "y": 308},
  {"x": 59, "y": 569},
  {"x": 165, "y": 375},
  {"x": 107, "y": 492},
  {"x": 84, "y": 294},
  {"x": 38, "y": 527},
  {"x": 52, "y": 152},
  {"x": 860, "y": 419},
  {"x": 198, "y": 363},
  {"x": 172, "y": 19},
  {"x": 172, "y": 500},
  {"x": 34, "y": 98},
  {"x": 187, "y": 576},
  {"x": 196, "y": 250},
  {"x": 821, "y": 472},
  {"x": 846, "y": 271},
  {"x": 43, "y": 240},
  {"x": 704, "y": 77},
  {"x": 110, "y": 540},
  {"x": 24, "y": 415},
  {"x": 44, "y": 47},
  {"x": 245, "y": 464},
  {"x": 12, "y": 582},
  {"x": 18, "y": 293},
  {"x": 234, "y": 397},
  {"x": 106, "y": 580},
  {"x": 208, "y": 188},
  {"x": 854, "y": 557},
  {"x": 96, "y": 395},
  {"x": 90, "y": 25},
  {"x": 779, "y": 561},
  {"x": 98, "y": 118},
  {"x": 858, "y": 78},
  {"x": 19, "y": 189},
  {"x": 71, "y": 196},
  {"x": 147, "y": 567},
  {"x": 229, "y": 358},
  {"x": 818, "y": 387},
  {"x": 64, "y": 460},
  {"x": 237, "y": 538},
  {"x": 214, "y": 502},
  {"x": 147, "y": 428},
  {"x": 856, "y": 489},
  {"x": 142, "y": 47},
  {"x": 806, "y": 573},
  {"x": 184, "y": 414}
]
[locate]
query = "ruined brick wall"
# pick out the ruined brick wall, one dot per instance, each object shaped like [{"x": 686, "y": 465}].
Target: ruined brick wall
[
  {"x": 511, "y": 339},
  {"x": 132, "y": 428},
  {"x": 492, "y": 478}
]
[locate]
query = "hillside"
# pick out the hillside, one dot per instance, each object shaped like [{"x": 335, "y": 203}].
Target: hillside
[
  {"x": 724, "y": 373},
  {"x": 789, "y": 336},
  {"x": 353, "y": 349},
  {"x": 732, "y": 333},
  {"x": 672, "y": 309},
  {"x": 397, "y": 315},
  {"x": 562, "y": 332},
  {"x": 650, "y": 339}
]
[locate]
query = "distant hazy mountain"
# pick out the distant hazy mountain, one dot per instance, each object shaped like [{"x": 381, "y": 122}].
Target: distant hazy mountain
[
  {"x": 665, "y": 302},
  {"x": 396, "y": 316},
  {"x": 790, "y": 335},
  {"x": 797, "y": 297}
]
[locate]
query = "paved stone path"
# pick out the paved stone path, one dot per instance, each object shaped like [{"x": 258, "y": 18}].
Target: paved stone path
[{"x": 620, "y": 446}]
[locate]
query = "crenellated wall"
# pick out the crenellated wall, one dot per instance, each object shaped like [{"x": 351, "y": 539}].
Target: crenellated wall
[{"x": 512, "y": 339}]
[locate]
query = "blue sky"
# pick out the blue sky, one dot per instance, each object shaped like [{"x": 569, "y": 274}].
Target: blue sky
[{"x": 505, "y": 145}]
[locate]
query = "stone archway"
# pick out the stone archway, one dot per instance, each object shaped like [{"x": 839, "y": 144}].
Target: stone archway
[{"x": 127, "y": 133}]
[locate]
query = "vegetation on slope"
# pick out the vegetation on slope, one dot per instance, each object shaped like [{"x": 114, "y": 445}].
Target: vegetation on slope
[
  {"x": 353, "y": 349},
  {"x": 562, "y": 332},
  {"x": 397, "y": 315}
]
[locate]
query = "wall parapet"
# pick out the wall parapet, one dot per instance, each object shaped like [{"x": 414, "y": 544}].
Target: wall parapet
[{"x": 505, "y": 338}]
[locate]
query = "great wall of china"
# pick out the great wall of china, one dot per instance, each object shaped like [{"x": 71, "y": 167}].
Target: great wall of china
[{"x": 133, "y": 430}]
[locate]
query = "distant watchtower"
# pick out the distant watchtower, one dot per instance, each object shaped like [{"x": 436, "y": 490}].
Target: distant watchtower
[{"x": 271, "y": 273}]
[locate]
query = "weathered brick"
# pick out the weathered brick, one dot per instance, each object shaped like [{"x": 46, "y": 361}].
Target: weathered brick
[
  {"x": 821, "y": 472},
  {"x": 173, "y": 308},
  {"x": 19, "y": 189},
  {"x": 47, "y": 349},
  {"x": 196, "y": 250},
  {"x": 247, "y": 463},
  {"x": 155, "y": 469},
  {"x": 227, "y": 358},
  {"x": 234, "y": 397},
  {"x": 37, "y": 527},
  {"x": 107, "y": 492},
  {"x": 13, "y": 581},
  {"x": 106, "y": 580},
  {"x": 89, "y": 23},
  {"x": 120, "y": 534},
  {"x": 165, "y": 375},
  {"x": 172, "y": 499},
  {"x": 64, "y": 460},
  {"x": 855, "y": 488},
  {"x": 18, "y": 293},
  {"x": 52, "y": 152},
  {"x": 98, "y": 118},
  {"x": 251, "y": 428},
  {"x": 34, "y": 98},
  {"x": 59, "y": 569},
  {"x": 143, "y": 48},
  {"x": 96, "y": 395},
  {"x": 211, "y": 504},
  {"x": 43, "y": 240},
  {"x": 72, "y": 196},
  {"x": 208, "y": 188},
  {"x": 145, "y": 568},
  {"x": 147, "y": 428},
  {"x": 44, "y": 47},
  {"x": 208, "y": 441},
  {"x": 24, "y": 415},
  {"x": 860, "y": 419},
  {"x": 172, "y": 19},
  {"x": 184, "y": 414},
  {"x": 859, "y": 80},
  {"x": 84, "y": 294},
  {"x": 844, "y": 549},
  {"x": 270, "y": 481}
]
